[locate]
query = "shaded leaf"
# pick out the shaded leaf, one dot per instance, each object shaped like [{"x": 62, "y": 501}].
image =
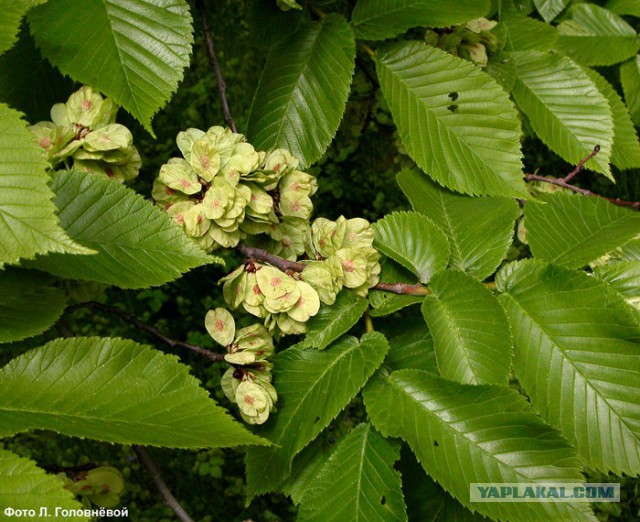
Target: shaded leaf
[
  {"x": 138, "y": 245},
  {"x": 470, "y": 330},
  {"x": 549, "y": 9},
  {"x": 412, "y": 350},
  {"x": 480, "y": 230},
  {"x": 134, "y": 51},
  {"x": 456, "y": 122},
  {"x": 357, "y": 483},
  {"x": 29, "y": 304},
  {"x": 114, "y": 390},
  {"x": 465, "y": 433},
  {"x": 576, "y": 354},
  {"x": 414, "y": 241},
  {"x": 630, "y": 79},
  {"x": 28, "y": 225},
  {"x": 12, "y": 13},
  {"x": 572, "y": 230},
  {"x": 624, "y": 7},
  {"x": 564, "y": 107},
  {"x": 303, "y": 90},
  {"x": 381, "y": 19},
  {"x": 313, "y": 387},
  {"x": 25, "y": 486}
]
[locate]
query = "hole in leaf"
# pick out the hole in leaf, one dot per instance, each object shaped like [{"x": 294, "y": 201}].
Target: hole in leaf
[
  {"x": 331, "y": 440},
  {"x": 317, "y": 419},
  {"x": 453, "y": 95},
  {"x": 383, "y": 500},
  {"x": 435, "y": 443},
  {"x": 453, "y": 107}
]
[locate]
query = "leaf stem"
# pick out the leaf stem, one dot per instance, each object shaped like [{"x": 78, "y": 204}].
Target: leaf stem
[
  {"x": 213, "y": 61},
  {"x": 580, "y": 165},
  {"x": 161, "y": 485},
  {"x": 147, "y": 328},
  {"x": 368, "y": 323}
]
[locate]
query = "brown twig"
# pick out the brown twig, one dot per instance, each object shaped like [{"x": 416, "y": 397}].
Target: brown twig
[
  {"x": 161, "y": 485},
  {"x": 580, "y": 165},
  {"x": 147, "y": 328},
  {"x": 213, "y": 61},
  {"x": 402, "y": 288}
]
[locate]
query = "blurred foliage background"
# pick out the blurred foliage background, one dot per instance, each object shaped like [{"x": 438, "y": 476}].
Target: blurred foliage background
[{"x": 356, "y": 178}]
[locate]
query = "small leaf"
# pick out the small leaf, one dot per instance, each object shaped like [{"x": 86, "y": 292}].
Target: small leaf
[
  {"x": 456, "y": 122},
  {"x": 333, "y": 321},
  {"x": 594, "y": 36},
  {"x": 374, "y": 20},
  {"x": 549, "y": 9},
  {"x": 143, "y": 47},
  {"x": 114, "y": 390},
  {"x": 12, "y": 13},
  {"x": 313, "y": 387},
  {"x": 29, "y": 304},
  {"x": 572, "y": 230},
  {"x": 357, "y": 483},
  {"x": 138, "y": 245},
  {"x": 414, "y": 241},
  {"x": 465, "y": 433},
  {"x": 630, "y": 79},
  {"x": 25, "y": 486},
  {"x": 303, "y": 90},
  {"x": 470, "y": 331},
  {"x": 28, "y": 225},
  {"x": 625, "y": 153},
  {"x": 480, "y": 230},
  {"x": 576, "y": 354},
  {"x": 564, "y": 107}
]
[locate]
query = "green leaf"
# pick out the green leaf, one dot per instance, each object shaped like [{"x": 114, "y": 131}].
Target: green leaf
[
  {"x": 572, "y": 230},
  {"x": 630, "y": 79},
  {"x": 623, "y": 276},
  {"x": 385, "y": 303},
  {"x": 594, "y": 36},
  {"x": 470, "y": 330},
  {"x": 333, "y": 321},
  {"x": 114, "y": 390},
  {"x": 12, "y": 13},
  {"x": 412, "y": 349},
  {"x": 465, "y": 433},
  {"x": 564, "y": 107},
  {"x": 625, "y": 153},
  {"x": 303, "y": 90},
  {"x": 525, "y": 33},
  {"x": 25, "y": 486},
  {"x": 29, "y": 304},
  {"x": 138, "y": 245},
  {"x": 480, "y": 230},
  {"x": 313, "y": 387},
  {"x": 28, "y": 225},
  {"x": 357, "y": 483},
  {"x": 424, "y": 498},
  {"x": 576, "y": 354},
  {"x": 624, "y": 7},
  {"x": 549, "y": 9},
  {"x": 382, "y": 19},
  {"x": 134, "y": 51},
  {"x": 414, "y": 241},
  {"x": 456, "y": 122}
]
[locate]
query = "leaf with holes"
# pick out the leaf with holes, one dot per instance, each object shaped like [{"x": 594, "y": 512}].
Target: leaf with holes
[
  {"x": 564, "y": 107},
  {"x": 313, "y": 387},
  {"x": 114, "y": 390},
  {"x": 138, "y": 245},
  {"x": 625, "y": 152},
  {"x": 455, "y": 121},
  {"x": 594, "y": 36},
  {"x": 333, "y": 321},
  {"x": 382, "y": 19},
  {"x": 414, "y": 241},
  {"x": 25, "y": 486},
  {"x": 28, "y": 224},
  {"x": 467, "y": 433},
  {"x": 357, "y": 483},
  {"x": 573, "y": 230},
  {"x": 303, "y": 90},
  {"x": 480, "y": 230},
  {"x": 29, "y": 304},
  {"x": 470, "y": 331},
  {"x": 576, "y": 355},
  {"x": 134, "y": 51}
]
